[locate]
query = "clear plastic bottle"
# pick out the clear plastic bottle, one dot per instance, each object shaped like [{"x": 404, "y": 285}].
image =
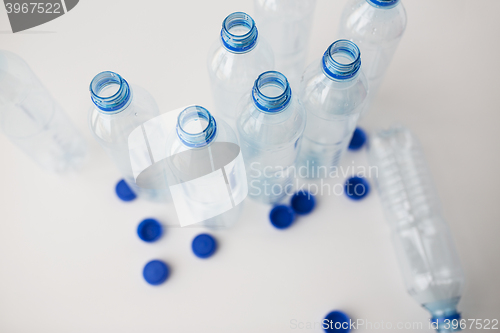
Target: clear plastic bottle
[
  {"x": 270, "y": 126},
  {"x": 376, "y": 26},
  {"x": 333, "y": 91},
  {"x": 118, "y": 109},
  {"x": 234, "y": 62},
  {"x": 286, "y": 25},
  {"x": 422, "y": 239},
  {"x": 206, "y": 170},
  {"x": 34, "y": 121}
]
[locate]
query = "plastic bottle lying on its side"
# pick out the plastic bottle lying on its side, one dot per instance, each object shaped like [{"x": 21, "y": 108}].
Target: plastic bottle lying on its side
[
  {"x": 33, "y": 120},
  {"x": 422, "y": 239}
]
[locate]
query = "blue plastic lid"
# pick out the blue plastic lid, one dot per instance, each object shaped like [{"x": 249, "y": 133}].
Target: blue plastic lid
[
  {"x": 338, "y": 321},
  {"x": 204, "y": 245},
  {"x": 303, "y": 202},
  {"x": 358, "y": 139},
  {"x": 356, "y": 188},
  {"x": 124, "y": 192},
  {"x": 156, "y": 272},
  {"x": 149, "y": 230},
  {"x": 281, "y": 216}
]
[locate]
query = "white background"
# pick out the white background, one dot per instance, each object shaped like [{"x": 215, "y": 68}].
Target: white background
[{"x": 70, "y": 260}]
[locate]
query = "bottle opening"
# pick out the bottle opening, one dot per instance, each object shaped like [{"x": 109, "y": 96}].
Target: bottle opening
[
  {"x": 342, "y": 60},
  {"x": 196, "y": 127},
  {"x": 110, "y": 92},
  {"x": 271, "y": 92},
  {"x": 239, "y": 33},
  {"x": 239, "y": 30}
]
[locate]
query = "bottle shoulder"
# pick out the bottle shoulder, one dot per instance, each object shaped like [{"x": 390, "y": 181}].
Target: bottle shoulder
[
  {"x": 328, "y": 98},
  {"x": 224, "y": 65},
  {"x": 117, "y": 127},
  {"x": 362, "y": 22},
  {"x": 271, "y": 128}
]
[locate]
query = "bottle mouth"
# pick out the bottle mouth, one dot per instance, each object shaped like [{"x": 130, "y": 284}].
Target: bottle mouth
[
  {"x": 110, "y": 92},
  {"x": 271, "y": 92},
  {"x": 239, "y": 33},
  {"x": 385, "y": 4},
  {"x": 342, "y": 60},
  {"x": 196, "y": 127}
]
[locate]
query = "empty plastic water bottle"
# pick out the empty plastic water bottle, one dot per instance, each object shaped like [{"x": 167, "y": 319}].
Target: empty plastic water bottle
[
  {"x": 118, "y": 109},
  {"x": 206, "y": 176},
  {"x": 33, "y": 120},
  {"x": 333, "y": 91},
  {"x": 234, "y": 62},
  {"x": 286, "y": 25},
  {"x": 376, "y": 26},
  {"x": 270, "y": 126},
  {"x": 422, "y": 240}
]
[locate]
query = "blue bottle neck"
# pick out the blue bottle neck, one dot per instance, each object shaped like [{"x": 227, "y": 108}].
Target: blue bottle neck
[
  {"x": 196, "y": 127},
  {"x": 342, "y": 60},
  {"x": 239, "y": 33},
  {"x": 383, "y": 4},
  {"x": 110, "y": 92},
  {"x": 445, "y": 317},
  {"x": 271, "y": 92}
]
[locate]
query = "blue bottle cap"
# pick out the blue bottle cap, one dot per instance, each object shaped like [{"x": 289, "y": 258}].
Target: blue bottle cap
[
  {"x": 358, "y": 139},
  {"x": 281, "y": 216},
  {"x": 156, "y": 272},
  {"x": 149, "y": 230},
  {"x": 124, "y": 192},
  {"x": 303, "y": 202},
  {"x": 338, "y": 322},
  {"x": 204, "y": 246},
  {"x": 356, "y": 188}
]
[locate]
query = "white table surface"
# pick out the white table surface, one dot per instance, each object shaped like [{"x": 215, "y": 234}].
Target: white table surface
[{"x": 70, "y": 260}]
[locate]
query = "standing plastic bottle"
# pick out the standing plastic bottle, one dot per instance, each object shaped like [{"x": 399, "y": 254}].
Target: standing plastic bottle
[
  {"x": 376, "y": 26},
  {"x": 118, "y": 109},
  {"x": 422, "y": 240},
  {"x": 234, "y": 61},
  {"x": 286, "y": 25},
  {"x": 333, "y": 91},
  {"x": 270, "y": 126},
  {"x": 33, "y": 120},
  {"x": 206, "y": 170}
]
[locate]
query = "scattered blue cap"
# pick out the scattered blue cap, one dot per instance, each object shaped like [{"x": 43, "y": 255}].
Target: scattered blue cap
[
  {"x": 356, "y": 188},
  {"x": 149, "y": 230},
  {"x": 156, "y": 272},
  {"x": 303, "y": 202},
  {"x": 204, "y": 245},
  {"x": 338, "y": 321},
  {"x": 281, "y": 216},
  {"x": 358, "y": 139},
  {"x": 124, "y": 192}
]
